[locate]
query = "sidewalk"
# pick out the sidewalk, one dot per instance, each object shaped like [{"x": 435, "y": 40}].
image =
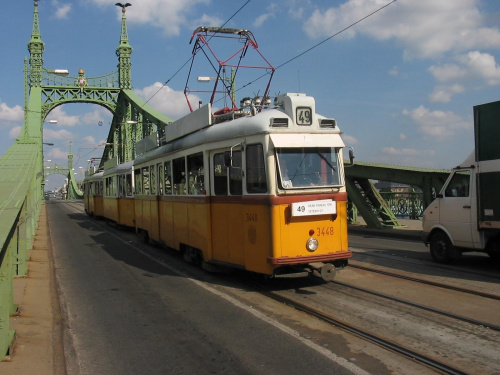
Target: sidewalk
[{"x": 37, "y": 347}]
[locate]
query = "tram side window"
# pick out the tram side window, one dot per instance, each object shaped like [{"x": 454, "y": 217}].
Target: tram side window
[
  {"x": 220, "y": 175},
  {"x": 161, "y": 180},
  {"x": 138, "y": 181},
  {"x": 235, "y": 175},
  {"x": 256, "y": 170},
  {"x": 152, "y": 171},
  {"x": 179, "y": 176},
  {"x": 196, "y": 185},
  {"x": 145, "y": 180},
  {"x": 128, "y": 185},
  {"x": 108, "y": 187},
  {"x": 121, "y": 186},
  {"x": 168, "y": 177}
]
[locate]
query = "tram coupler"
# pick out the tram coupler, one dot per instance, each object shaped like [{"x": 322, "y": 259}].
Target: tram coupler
[{"x": 326, "y": 271}]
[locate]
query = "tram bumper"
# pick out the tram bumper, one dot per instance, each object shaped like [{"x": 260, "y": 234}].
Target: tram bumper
[
  {"x": 327, "y": 271},
  {"x": 325, "y": 266}
]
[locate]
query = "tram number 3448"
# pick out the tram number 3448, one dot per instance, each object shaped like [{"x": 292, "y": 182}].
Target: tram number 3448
[{"x": 325, "y": 231}]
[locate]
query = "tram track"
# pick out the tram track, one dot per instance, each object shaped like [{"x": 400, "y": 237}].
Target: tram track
[
  {"x": 427, "y": 282},
  {"x": 360, "y": 332},
  {"x": 420, "y": 306},
  {"x": 391, "y": 341}
]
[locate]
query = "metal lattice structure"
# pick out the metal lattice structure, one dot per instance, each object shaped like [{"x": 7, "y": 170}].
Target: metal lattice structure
[
  {"x": 370, "y": 202},
  {"x": 133, "y": 119}
]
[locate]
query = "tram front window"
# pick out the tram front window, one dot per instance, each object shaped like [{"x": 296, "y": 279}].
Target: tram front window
[{"x": 310, "y": 167}]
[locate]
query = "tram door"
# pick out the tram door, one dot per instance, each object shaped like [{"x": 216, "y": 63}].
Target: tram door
[{"x": 227, "y": 208}]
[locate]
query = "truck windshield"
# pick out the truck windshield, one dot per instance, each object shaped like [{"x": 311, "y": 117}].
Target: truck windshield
[{"x": 310, "y": 167}]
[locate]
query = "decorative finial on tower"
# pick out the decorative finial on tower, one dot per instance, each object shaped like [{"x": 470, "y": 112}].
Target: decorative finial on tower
[
  {"x": 35, "y": 47},
  {"x": 123, "y": 52},
  {"x": 123, "y": 6}
]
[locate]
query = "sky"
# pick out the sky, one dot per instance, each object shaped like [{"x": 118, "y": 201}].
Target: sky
[{"x": 401, "y": 83}]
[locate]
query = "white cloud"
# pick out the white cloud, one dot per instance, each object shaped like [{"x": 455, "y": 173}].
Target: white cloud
[
  {"x": 448, "y": 72},
  {"x": 400, "y": 151},
  {"x": 298, "y": 8},
  {"x": 394, "y": 71},
  {"x": 443, "y": 93},
  {"x": 482, "y": 65},
  {"x": 418, "y": 26},
  {"x": 57, "y": 135},
  {"x": 63, "y": 119},
  {"x": 62, "y": 11},
  {"x": 271, "y": 13},
  {"x": 9, "y": 115},
  {"x": 14, "y": 132},
  {"x": 472, "y": 68},
  {"x": 169, "y": 15},
  {"x": 403, "y": 137},
  {"x": 438, "y": 124},
  {"x": 169, "y": 102},
  {"x": 56, "y": 153},
  {"x": 206, "y": 20},
  {"x": 98, "y": 114}
]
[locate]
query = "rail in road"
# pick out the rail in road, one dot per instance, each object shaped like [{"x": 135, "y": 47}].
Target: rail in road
[{"x": 23, "y": 354}]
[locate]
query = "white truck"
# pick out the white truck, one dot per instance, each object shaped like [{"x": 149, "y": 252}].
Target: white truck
[{"x": 465, "y": 216}]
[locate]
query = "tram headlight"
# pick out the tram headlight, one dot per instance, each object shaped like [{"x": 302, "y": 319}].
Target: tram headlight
[{"x": 312, "y": 244}]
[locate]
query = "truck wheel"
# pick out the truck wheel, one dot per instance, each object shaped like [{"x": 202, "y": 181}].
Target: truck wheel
[
  {"x": 441, "y": 248},
  {"x": 493, "y": 249}
]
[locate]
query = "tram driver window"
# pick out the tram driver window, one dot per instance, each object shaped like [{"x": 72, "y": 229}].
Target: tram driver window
[
  {"x": 308, "y": 167},
  {"x": 256, "y": 170}
]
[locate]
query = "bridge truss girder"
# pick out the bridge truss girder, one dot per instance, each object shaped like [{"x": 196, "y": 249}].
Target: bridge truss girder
[
  {"x": 53, "y": 96},
  {"x": 133, "y": 121},
  {"x": 372, "y": 205},
  {"x": 72, "y": 190}
]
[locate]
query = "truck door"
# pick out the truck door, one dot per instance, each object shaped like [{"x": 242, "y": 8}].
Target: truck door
[{"x": 456, "y": 208}]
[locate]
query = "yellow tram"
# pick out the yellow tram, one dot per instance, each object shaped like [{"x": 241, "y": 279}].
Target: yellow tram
[
  {"x": 257, "y": 186},
  {"x": 92, "y": 191},
  {"x": 118, "y": 199},
  {"x": 264, "y": 192}
]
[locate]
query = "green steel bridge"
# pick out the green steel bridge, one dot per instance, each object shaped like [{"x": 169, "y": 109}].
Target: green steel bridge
[{"x": 23, "y": 174}]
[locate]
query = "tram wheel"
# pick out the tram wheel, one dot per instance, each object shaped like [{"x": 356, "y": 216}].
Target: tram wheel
[
  {"x": 493, "y": 249},
  {"x": 442, "y": 250}
]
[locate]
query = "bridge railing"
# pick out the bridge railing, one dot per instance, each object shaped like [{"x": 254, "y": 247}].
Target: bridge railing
[
  {"x": 106, "y": 80},
  {"x": 21, "y": 190},
  {"x": 408, "y": 205}
]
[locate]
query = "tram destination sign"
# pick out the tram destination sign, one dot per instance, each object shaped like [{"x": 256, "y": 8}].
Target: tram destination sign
[{"x": 320, "y": 207}]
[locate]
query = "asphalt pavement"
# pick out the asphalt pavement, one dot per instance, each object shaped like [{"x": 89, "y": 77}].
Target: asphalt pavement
[{"x": 38, "y": 345}]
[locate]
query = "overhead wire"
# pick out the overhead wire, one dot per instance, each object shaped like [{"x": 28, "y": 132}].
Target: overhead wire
[
  {"x": 318, "y": 44},
  {"x": 188, "y": 60}
]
